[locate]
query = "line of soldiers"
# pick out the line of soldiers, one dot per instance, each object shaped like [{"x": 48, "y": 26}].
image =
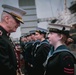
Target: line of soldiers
[{"x": 35, "y": 50}]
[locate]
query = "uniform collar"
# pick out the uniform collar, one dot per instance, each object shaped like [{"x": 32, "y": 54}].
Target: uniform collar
[
  {"x": 61, "y": 47},
  {"x": 45, "y": 40},
  {"x": 3, "y": 31}
]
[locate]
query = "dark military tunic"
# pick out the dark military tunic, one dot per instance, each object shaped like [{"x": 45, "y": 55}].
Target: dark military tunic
[
  {"x": 27, "y": 56},
  {"x": 40, "y": 57},
  {"x": 8, "y": 62},
  {"x": 34, "y": 48},
  {"x": 60, "y": 62}
]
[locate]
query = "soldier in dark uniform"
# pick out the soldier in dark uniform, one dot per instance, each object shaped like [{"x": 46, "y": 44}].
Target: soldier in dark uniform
[
  {"x": 23, "y": 42},
  {"x": 61, "y": 60},
  {"x": 27, "y": 52},
  {"x": 40, "y": 52},
  {"x": 10, "y": 20}
]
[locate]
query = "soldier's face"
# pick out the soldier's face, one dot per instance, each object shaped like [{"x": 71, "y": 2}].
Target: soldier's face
[
  {"x": 38, "y": 36},
  {"x": 12, "y": 24},
  {"x": 53, "y": 38}
]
